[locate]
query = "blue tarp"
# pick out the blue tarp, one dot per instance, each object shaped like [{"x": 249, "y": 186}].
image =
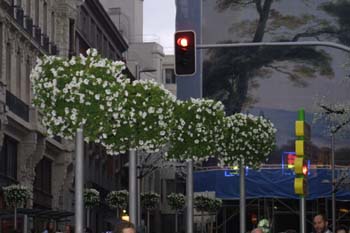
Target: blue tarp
[{"x": 268, "y": 183}]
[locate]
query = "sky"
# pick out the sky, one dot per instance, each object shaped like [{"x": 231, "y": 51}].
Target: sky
[{"x": 159, "y": 23}]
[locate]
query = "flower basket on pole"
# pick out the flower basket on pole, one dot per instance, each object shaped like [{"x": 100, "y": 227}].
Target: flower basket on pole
[
  {"x": 149, "y": 201},
  {"x": 16, "y": 196},
  {"x": 76, "y": 94},
  {"x": 118, "y": 200},
  {"x": 196, "y": 131},
  {"x": 176, "y": 202},
  {"x": 91, "y": 200},
  {"x": 248, "y": 141}
]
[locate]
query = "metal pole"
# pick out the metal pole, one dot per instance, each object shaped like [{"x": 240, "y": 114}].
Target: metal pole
[
  {"x": 79, "y": 181},
  {"x": 132, "y": 187},
  {"x": 333, "y": 185},
  {"x": 242, "y": 206},
  {"x": 288, "y": 44},
  {"x": 139, "y": 211},
  {"x": 189, "y": 194},
  {"x": 15, "y": 218},
  {"x": 302, "y": 214}
]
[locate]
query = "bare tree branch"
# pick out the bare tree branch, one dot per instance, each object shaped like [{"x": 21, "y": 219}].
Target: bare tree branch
[
  {"x": 338, "y": 127},
  {"x": 315, "y": 33},
  {"x": 258, "y": 6},
  {"x": 332, "y": 111}
]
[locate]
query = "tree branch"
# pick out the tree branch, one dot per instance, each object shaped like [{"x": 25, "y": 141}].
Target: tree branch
[
  {"x": 258, "y": 6},
  {"x": 336, "y": 129},
  {"x": 315, "y": 33},
  {"x": 331, "y": 111}
]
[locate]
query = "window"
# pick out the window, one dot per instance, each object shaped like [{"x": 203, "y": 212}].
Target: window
[
  {"x": 43, "y": 175},
  {"x": 27, "y": 81},
  {"x": 28, "y": 7},
  {"x": 45, "y": 18},
  {"x": 8, "y": 66},
  {"x": 18, "y": 73},
  {"x": 36, "y": 21},
  {"x": 93, "y": 33},
  {"x": 1, "y": 49},
  {"x": 84, "y": 17},
  {"x": 71, "y": 36},
  {"x": 8, "y": 158},
  {"x": 169, "y": 76},
  {"x": 53, "y": 28}
]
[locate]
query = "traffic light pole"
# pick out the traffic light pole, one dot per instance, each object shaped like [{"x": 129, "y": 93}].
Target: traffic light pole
[{"x": 269, "y": 44}]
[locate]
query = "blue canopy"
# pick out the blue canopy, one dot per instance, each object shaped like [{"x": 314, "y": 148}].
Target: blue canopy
[{"x": 268, "y": 183}]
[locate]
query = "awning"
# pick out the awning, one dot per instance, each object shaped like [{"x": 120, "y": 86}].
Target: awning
[
  {"x": 44, "y": 213},
  {"x": 271, "y": 183}
]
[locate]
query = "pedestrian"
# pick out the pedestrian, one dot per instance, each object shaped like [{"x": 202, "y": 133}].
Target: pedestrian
[
  {"x": 320, "y": 224},
  {"x": 342, "y": 229},
  {"x": 49, "y": 228},
  {"x": 125, "y": 227},
  {"x": 257, "y": 230}
]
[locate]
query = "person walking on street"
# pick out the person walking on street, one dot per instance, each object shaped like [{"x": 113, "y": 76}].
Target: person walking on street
[
  {"x": 125, "y": 227},
  {"x": 320, "y": 224}
]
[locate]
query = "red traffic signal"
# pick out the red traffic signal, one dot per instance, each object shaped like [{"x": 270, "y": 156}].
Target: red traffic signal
[
  {"x": 185, "y": 53},
  {"x": 182, "y": 42}
]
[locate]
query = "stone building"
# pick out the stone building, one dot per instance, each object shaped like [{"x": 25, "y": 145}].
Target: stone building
[{"x": 28, "y": 29}]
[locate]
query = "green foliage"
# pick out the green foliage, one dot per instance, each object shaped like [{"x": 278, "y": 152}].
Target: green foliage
[
  {"x": 149, "y": 200},
  {"x": 16, "y": 195},
  {"x": 144, "y": 121},
  {"x": 91, "y": 197},
  {"x": 176, "y": 201},
  {"x": 207, "y": 204},
  {"x": 248, "y": 139},
  {"x": 118, "y": 199},
  {"x": 195, "y": 130}
]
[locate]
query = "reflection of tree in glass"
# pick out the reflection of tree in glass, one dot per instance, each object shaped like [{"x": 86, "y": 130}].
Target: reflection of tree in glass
[{"x": 228, "y": 72}]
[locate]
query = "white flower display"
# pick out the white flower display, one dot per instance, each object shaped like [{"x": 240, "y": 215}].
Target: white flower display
[
  {"x": 176, "y": 201},
  {"x": 16, "y": 195},
  {"x": 118, "y": 199},
  {"x": 207, "y": 204},
  {"x": 91, "y": 197},
  {"x": 144, "y": 121},
  {"x": 149, "y": 200},
  {"x": 73, "y": 93},
  {"x": 247, "y": 138},
  {"x": 196, "y": 130}
]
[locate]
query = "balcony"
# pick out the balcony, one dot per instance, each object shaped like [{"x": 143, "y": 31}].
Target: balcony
[{"x": 17, "y": 106}]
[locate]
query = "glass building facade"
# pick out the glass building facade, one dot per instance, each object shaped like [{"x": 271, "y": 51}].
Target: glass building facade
[{"x": 277, "y": 81}]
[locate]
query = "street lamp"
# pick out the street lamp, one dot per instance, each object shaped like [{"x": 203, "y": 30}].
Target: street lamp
[{"x": 134, "y": 183}]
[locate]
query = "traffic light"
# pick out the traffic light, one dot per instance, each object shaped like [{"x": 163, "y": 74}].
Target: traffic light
[
  {"x": 185, "y": 53},
  {"x": 302, "y": 132}
]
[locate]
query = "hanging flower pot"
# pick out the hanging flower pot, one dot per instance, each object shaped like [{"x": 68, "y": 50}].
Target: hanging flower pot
[
  {"x": 196, "y": 130},
  {"x": 247, "y": 138},
  {"x": 91, "y": 197},
  {"x": 144, "y": 121},
  {"x": 118, "y": 200},
  {"x": 16, "y": 196},
  {"x": 80, "y": 91}
]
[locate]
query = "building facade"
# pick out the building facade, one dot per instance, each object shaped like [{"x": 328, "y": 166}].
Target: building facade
[{"x": 29, "y": 29}]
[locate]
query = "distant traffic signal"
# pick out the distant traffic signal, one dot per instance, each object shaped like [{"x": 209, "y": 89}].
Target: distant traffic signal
[
  {"x": 302, "y": 131},
  {"x": 185, "y": 53}
]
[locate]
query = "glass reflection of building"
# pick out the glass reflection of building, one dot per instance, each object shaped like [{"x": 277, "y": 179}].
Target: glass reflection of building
[{"x": 276, "y": 82}]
